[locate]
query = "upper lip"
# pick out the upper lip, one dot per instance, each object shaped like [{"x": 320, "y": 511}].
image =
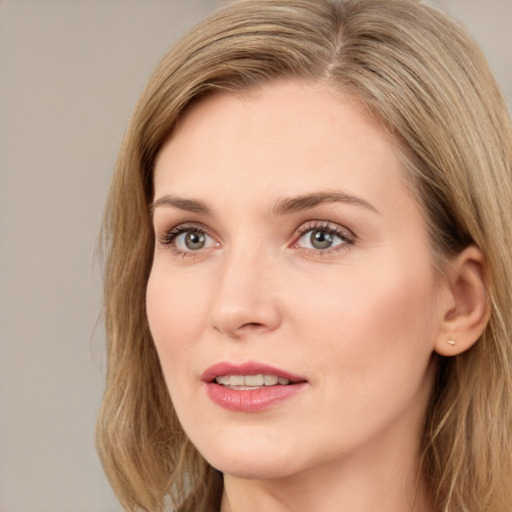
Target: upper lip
[{"x": 247, "y": 368}]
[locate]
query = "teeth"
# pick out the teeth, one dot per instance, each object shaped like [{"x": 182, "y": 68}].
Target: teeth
[
  {"x": 248, "y": 381},
  {"x": 254, "y": 380},
  {"x": 270, "y": 380},
  {"x": 237, "y": 380},
  {"x": 225, "y": 380}
]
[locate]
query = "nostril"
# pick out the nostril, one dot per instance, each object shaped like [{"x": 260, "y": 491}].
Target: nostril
[
  {"x": 243, "y": 328},
  {"x": 251, "y": 326}
]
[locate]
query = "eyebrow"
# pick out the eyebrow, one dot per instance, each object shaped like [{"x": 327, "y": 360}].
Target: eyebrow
[
  {"x": 281, "y": 207},
  {"x": 188, "y": 205},
  {"x": 304, "y": 202}
]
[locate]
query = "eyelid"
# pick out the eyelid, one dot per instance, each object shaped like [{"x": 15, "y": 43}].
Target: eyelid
[
  {"x": 346, "y": 235},
  {"x": 167, "y": 238}
]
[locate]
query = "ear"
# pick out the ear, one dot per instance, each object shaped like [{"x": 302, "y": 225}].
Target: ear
[{"x": 467, "y": 311}]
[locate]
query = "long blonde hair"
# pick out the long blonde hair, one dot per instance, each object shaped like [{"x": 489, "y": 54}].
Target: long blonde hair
[{"x": 423, "y": 78}]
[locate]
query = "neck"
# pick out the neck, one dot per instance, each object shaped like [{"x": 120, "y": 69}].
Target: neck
[{"x": 305, "y": 494}]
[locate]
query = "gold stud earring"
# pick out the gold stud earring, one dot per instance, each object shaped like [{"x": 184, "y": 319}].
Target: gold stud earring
[{"x": 451, "y": 342}]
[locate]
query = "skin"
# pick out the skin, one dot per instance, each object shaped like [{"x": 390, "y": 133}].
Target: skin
[{"x": 359, "y": 320}]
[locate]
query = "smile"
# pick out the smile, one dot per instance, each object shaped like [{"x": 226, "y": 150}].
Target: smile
[
  {"x": 250, "y": 387},
  {"x": 245, "y": 382}
]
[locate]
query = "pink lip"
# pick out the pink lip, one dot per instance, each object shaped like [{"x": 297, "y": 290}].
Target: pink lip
[
  {"x": 248, "y": 368},
  {"x": 250, "y": 400}
]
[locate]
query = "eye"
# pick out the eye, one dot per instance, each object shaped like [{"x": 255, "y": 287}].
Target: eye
[
  {"x": 323, "y": 237},
  {"x": 191, "y": 240},
  {"x": 319, "y": 239},
  {"x": 187, "y": 239}
]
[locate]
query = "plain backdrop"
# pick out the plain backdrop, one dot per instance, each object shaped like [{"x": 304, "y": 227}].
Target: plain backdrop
[{"x": 70, "y": 73}]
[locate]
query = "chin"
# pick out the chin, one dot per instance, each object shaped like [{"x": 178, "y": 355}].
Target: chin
[
  {"x": 247, "y": 461},
  {"x": 252, "y": 469}
]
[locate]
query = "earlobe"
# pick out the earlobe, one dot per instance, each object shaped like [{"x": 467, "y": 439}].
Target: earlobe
[{"x": 465, "y": 319}]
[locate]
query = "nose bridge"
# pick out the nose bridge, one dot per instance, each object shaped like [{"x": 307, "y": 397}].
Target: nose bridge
[{"x": 245, "y": 298}]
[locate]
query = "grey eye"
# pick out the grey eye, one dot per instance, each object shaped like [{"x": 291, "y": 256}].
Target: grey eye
[
  {"x": 194, "y": 241},
  {"x": 320, "y": 239}
]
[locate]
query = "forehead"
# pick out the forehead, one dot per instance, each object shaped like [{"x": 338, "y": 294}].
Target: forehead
[{"x": 285, "y": 139}]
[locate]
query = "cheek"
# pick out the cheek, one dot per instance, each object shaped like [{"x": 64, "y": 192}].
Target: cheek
[
  {"x": 369, "y": 321},
  {"x": 367, "y": 341},
  {"x": 176, "y": 319}
]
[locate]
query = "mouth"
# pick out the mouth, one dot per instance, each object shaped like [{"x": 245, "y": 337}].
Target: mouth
[
  {"x": 245, "y": 382},
  {"x": 250, "y": 387},
  {"x": 250, "y": 374}
]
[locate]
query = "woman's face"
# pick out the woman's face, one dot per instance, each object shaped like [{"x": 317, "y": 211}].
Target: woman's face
[{"x": 288, "y": 246}]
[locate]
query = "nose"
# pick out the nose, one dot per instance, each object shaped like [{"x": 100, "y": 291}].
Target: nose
[{"x": 245, "y": 301}]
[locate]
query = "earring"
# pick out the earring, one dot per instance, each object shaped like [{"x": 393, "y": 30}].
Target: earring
[{"x": 451, "y": 342}]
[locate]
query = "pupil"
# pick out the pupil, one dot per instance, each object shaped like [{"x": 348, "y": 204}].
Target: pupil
[
  {"x": 194, "y": 240},
  {"x": 321, "y": 240}
]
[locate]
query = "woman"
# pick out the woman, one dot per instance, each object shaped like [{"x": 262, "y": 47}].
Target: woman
[{"x": 307, "y": 284}]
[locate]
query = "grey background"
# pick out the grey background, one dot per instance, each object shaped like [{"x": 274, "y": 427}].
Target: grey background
[{"x": 70, "y": 73}]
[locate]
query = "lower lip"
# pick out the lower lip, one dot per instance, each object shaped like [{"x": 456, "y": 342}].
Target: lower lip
[{"x": 251, "y": 400}]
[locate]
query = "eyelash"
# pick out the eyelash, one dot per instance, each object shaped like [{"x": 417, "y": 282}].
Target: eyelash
[
  {"x": 169, "y": 237},
  {"x": 347, "y": 238}
]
